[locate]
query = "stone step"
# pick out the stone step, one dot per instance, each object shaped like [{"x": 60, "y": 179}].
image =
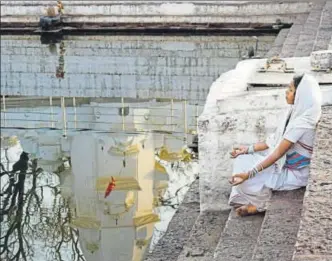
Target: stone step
[
  {"x": 288, "y": 49},
  {"x": 310, "y": 30},
  {"x": 205, "y": 236},
  {"x": 239, "y": 238},
  {"x": 325, "y": 31},
  {"x": 280, "y": 227},
  {"x": 171, "y": 244},
  {"x": 278, "y": 43}
]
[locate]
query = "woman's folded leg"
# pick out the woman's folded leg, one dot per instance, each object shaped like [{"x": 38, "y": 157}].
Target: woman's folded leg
[{"x": 251, "y": 192}]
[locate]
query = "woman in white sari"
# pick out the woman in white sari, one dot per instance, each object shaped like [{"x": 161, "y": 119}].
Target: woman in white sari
[{"x": 287, "y": 165}]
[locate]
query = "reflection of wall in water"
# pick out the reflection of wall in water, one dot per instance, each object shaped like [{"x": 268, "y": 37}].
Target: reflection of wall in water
[
  {"x": 176, "y": 116},
  {"x": 181, "y": 67},
  {"x": 91, "y": 159}
]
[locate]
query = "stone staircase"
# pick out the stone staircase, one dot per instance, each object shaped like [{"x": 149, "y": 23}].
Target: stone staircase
[
  {"x": 289, "y": 46},
  {"x": 278, "y": 43},
  {"x": 310, "y": 32},
  {"x": 272, "y": 236},
  {"x": 222, "y": 236},
  {"x": 308, "y": 37}
]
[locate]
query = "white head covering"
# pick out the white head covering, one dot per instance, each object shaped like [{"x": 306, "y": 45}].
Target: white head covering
[{"x": 305, "y": 113}]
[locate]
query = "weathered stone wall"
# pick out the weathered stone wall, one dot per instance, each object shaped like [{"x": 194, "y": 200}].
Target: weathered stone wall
[
  {"x": 241, "y": 120},
  {"x": 115, "y": 66},
  {"x": 158, "y": 12}
]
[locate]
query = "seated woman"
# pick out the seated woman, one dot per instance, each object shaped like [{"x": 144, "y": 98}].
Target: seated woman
[{"x": 286, "y": 166}]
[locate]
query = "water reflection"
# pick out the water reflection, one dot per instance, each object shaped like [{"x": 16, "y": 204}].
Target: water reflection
[
  {"x": 57, "y": 210},
  {"x": 35, "y": 218},
  {"x": 95, "y": 109},
  {"x": 71, "y": 114}
]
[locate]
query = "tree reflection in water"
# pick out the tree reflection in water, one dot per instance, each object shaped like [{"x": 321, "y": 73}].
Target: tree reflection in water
[{"x": 32, "y": 228}]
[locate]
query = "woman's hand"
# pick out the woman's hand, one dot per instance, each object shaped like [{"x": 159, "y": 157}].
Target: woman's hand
[
  {"x": 238, "y": 151},
  {"x": 238, "y": 179}
]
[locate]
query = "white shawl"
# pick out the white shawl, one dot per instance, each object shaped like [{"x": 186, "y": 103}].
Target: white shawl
[{"x": 305, "y": 113}]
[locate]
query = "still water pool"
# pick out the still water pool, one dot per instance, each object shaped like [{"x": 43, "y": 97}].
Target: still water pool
[{"x": 94, "y": 135}]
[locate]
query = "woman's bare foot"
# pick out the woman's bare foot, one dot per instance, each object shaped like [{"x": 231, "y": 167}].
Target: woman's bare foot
[{"x": 246, "y": 210}]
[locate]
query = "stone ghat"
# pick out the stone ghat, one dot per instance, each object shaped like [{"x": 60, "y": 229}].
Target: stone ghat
[
  {"x": 297, "y": 224},
  {"x": 310, "y": 32}
]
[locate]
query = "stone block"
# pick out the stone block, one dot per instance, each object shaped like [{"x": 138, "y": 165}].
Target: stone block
[{"x": 321, "y": 60}]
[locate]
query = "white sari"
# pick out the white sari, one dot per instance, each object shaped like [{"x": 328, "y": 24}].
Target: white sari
[{"x": 303, "y": 118}]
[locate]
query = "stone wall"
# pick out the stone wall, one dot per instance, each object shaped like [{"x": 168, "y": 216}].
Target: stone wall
[
  {"x": 179, "y": 67},
  {"x": 157, "y": 12}
]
